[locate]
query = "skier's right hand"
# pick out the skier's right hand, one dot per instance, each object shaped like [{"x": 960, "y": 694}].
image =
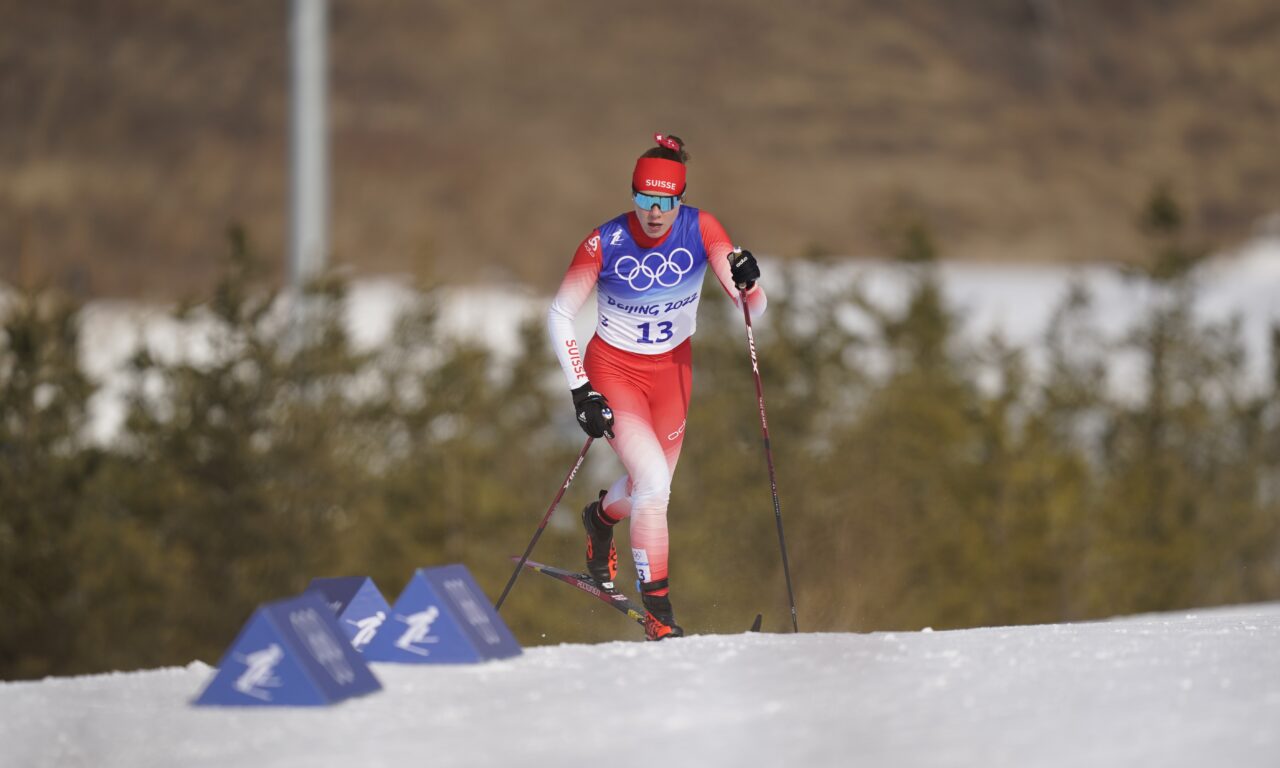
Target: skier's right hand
[
  {"x": 744, "y": 269},
  {"x": 594, "y": 414}
]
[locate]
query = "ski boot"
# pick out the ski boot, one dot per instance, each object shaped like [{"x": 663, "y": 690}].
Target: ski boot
[
  {"x": 659, "y": 619},
  {"x": 602, "y": 555}
]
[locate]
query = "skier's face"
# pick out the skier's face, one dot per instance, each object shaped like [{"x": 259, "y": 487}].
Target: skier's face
[{"x": 653, "y": 220}]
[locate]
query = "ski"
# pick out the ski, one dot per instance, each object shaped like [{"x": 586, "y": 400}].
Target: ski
[
  {"x": 616, "y": 599},
  {"x": 582, "y": 581}
]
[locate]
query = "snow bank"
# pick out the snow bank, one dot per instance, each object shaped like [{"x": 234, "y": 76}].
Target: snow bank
[{"x": 1187, "y": 689}]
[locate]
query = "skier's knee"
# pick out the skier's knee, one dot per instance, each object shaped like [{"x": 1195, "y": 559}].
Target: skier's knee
[{"x": 651, "y": 497}]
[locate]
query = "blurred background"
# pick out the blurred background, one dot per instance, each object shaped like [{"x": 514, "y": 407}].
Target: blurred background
[{"x": 1021, "y": 356}]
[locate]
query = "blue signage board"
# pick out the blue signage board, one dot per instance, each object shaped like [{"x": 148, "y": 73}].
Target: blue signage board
[
  {"x": 442, "y": 617},
  {"x": 290, "y": 653},
  {"x": 357, "y": 604}
]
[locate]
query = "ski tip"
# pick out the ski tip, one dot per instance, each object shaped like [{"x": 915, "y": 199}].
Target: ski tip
[{"x": 755, "y": 625}]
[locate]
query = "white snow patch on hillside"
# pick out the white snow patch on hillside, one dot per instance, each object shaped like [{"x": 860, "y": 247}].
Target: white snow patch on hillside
[{"x": 1015, "y": 302}]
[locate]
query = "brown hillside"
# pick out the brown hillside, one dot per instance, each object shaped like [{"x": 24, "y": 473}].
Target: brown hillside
[{"x": 483, "y": 139}]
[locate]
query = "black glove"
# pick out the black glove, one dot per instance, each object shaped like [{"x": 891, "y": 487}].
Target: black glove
[
  {"x": 594, "y": 414},
  {"x": 743, "y": 267}
]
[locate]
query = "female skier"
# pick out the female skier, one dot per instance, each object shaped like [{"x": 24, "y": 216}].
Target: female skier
[{"x": 632, "y": 385}]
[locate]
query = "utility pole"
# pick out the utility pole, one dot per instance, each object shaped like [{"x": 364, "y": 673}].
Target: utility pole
[{"x": 308, "y": 142}]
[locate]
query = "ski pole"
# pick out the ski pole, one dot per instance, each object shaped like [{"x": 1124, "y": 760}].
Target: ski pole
[
  {"x": 542, "y": 526},
  {"x": 768, "y": 455}
]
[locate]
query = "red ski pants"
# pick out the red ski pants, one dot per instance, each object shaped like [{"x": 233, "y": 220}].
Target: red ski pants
[{"x": 649, "y": 395}]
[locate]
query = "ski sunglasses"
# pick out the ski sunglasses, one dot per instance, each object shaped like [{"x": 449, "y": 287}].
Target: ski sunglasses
[{"x": 664, "y": 202}]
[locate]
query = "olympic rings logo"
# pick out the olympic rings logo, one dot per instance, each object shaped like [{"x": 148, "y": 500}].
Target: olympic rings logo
[{"x": 663, "y": 269}]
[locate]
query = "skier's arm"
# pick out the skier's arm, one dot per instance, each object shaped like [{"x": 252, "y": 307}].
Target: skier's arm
[
  {"x": 576, "y": 287},
  {"x": 718, "y": 246}
]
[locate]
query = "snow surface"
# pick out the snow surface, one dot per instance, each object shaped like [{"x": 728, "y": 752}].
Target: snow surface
[{"x": 1186, "y": 689}]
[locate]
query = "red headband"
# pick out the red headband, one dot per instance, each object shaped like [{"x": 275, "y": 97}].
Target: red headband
[{"x": 658, "y": 176}]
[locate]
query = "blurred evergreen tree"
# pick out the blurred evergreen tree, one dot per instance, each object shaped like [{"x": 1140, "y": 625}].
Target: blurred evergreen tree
[
  {"x": 1180, "y": 522},
  {"x": 232, "y": 483},
  {"x": 45, "y": 466},
  {"x": 913, "y": 452}
]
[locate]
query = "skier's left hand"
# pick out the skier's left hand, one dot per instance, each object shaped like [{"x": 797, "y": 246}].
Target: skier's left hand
[{"x": 743, "y": 268}]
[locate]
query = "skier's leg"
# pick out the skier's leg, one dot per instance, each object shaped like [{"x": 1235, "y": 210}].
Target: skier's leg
[
  {"x": 669, "y": 386},
  {"x": 649, "y": 396},
  {"x": 601, "y": 515},
  {"x": 615, "y": 375},
  {"x": 641, "y": 452},
  {"x": 669, "y": 402},
  {"x": 617, "y": 499}
]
